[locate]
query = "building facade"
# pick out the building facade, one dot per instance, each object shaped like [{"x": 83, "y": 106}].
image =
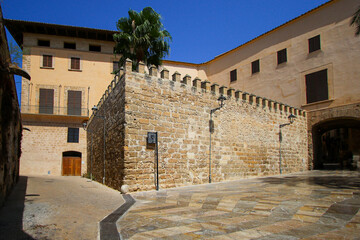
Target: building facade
[
  {"x": 309, "y": 63},
  {"x": 70, "y": 69}
]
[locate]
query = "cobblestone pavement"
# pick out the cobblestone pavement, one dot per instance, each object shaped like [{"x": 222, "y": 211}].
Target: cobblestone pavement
[
  {"x": 50, "y": 207},
  {"x": 312, "y": 205}
]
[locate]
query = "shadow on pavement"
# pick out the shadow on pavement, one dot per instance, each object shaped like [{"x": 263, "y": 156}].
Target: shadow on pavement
[
  {"x": 11, "y": 214},
  {"x": 332, "y": 181}
]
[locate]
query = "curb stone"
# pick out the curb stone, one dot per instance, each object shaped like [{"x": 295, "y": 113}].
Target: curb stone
[{"x": 107, "y": 227}]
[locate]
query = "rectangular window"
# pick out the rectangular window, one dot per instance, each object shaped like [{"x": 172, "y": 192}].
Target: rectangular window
[
  {"x": 69, "y": 45},
  {"x": 317, "y": 86},
  {"x": 75, "y": 63},
  {"x": 73, "y": 135},
  {"x": 116, "y": 67},
  {"x": 46, "y": 101},
  {"x": 74, "y": 103},
  {"x": 44, "y": 43},
  {"x": 47, "y": 61},
  {"x": 314, "y": 44},
  {"x": 282, "y": 56},
  {"x": 233, "y": 76},
  {"x": 255, "y": 66},
  {"x": 95, "y": 48}
]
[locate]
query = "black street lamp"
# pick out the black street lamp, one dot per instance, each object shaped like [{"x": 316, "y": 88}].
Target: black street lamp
[
  {"x": 95, "y": 109},
  {"x": 91, "y": 147},
  {"x": 291, "y": 118},
  {"x": 221, "y": 100}
]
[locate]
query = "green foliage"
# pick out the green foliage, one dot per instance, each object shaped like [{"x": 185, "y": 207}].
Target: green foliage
[
  {"x": 356, "y": 21},
  {"x": 15, "y": 53},
  {"x": 142, "y": 37}
]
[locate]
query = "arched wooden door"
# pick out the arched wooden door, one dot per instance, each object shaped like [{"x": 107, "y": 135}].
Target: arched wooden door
[{"x": 71, "y": 164}]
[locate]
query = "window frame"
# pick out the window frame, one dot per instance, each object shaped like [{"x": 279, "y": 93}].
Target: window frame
[
  {"x": 282, "y": 58},
  {"x": 42, "y": 59},
  {"x": 255, "y": 66},
  {"x": 310, "y": 79},
  {"x": 314, "y": 44},
  {"x": 73, "y": 135},
  {"x": 74, "y": 108},
  {"x": 71, "y": 65},
  {"x": 46, "y": 107},
  {"x": 233, "y": 76}
]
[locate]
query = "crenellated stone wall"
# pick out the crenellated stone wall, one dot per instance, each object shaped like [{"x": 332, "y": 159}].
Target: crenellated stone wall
[{"x": 244, "y": 143}]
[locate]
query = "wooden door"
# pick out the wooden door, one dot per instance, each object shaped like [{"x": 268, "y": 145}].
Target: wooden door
[{"x": 71, "y": 166}]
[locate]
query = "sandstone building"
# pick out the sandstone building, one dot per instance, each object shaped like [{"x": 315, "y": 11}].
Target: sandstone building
[
  {"x": 70, "y": 68},
  {"x": 309, "y": 63}
]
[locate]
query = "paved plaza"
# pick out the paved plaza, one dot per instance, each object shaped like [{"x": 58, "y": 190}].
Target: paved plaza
[
  {"x": 56, "y": 208},
  {"x": 312, "y": 205}
]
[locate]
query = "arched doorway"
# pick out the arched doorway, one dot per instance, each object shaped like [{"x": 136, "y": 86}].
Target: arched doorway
[
  {"x": 336, "y": 143},
  {"x": 71, "y": 163}
]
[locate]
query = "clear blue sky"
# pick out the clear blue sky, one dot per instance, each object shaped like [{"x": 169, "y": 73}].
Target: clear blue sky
[{"x": 201, "y": 29}]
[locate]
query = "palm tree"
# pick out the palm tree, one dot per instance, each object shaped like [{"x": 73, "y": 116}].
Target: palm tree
[
  {"x": 356, "y": 21},
  {"x": 142, "y": 37}
]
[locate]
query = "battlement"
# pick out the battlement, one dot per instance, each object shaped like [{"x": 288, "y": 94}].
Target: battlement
[
  {"x": 243, "y": 136},
  {"x": 201, "y": 86}
]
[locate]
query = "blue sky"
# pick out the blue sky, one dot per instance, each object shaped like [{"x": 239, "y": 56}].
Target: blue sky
[{"x": 201, "y": 29}]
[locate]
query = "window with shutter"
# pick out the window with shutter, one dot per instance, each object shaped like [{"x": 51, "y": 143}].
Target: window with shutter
[
  {"x": 46, "y": 101},
  {"x": 282, "y": 56},
  {"x": 74, "y": 103},
  {"x": 255, "y": 66},
  {"x": 47, "y": 61},
  {"x": 75, "y": 63},
  {"x": 317, "y": 86},
  {"x": 73, "y": 135},
  {"x": 314, "y": 44},
  {"x": 233, "y": 76}
]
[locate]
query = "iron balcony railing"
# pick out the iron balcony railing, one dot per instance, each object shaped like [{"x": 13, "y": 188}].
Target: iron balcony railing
[{"x": 51, "y": 110}]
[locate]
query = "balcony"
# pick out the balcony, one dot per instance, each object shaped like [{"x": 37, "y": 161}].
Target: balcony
[{"x": 58, "y": 111}]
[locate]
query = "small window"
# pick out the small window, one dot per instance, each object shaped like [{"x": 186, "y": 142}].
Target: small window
[
  {"x": 75, "y": 63},
  {"x": 317, "y": 86},
  {"x": 116, "y": 67},
  {"x": 95, "y": 48},
  {"x": 314, "y": 44},
  {"x": 255, "y": 66},
  {"x": 73, "y": 135},
  {"x": 282, "y": 56},
  {"x": 47, "y": 61},
  {"x": 44, "y": 43},
  {"x": 233, "y": 76},
  {"x": 69, "y": 45}
]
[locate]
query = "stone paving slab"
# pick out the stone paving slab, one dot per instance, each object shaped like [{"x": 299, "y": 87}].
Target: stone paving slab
[{"x": 310, "y": 205}]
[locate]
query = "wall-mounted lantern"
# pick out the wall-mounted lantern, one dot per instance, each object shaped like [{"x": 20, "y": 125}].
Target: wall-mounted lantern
[
  {"x": 221, "y": 100},
  {"x": 291, "y": 119}
]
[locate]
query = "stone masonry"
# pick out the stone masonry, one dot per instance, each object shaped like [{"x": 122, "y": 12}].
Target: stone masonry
[{"x": 245, "y": 141}]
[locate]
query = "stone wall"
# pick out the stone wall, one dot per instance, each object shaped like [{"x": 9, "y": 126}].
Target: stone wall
[
  {"x": 245, "y": 141},
  {"x": 10, "y": 122}
]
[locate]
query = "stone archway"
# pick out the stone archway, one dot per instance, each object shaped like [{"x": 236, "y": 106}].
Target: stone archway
[
  {"x": 336, "y": 143},
  {"x": 329, "y": 119}
]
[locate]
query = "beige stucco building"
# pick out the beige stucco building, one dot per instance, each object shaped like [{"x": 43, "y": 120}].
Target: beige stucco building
[
  {"x": 70, "y": 69},
  {"x": 310, "y": 62}
]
